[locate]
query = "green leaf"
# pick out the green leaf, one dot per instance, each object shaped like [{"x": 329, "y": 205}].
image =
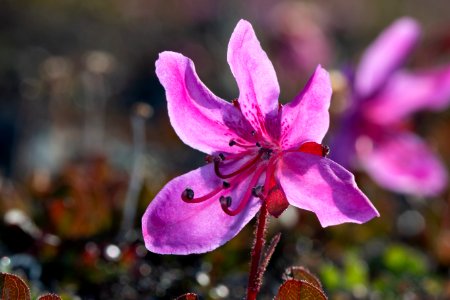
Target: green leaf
[
  {"x": 356, "y": 271},
  {"x": 331, "y": 276},
  {"x": 403, "y": 260}
]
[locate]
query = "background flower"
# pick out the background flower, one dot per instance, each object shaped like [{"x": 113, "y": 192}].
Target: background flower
[{"x": 375, "y": 132}]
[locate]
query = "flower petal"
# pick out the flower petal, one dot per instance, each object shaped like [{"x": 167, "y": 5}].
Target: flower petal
[
  {"x": 385, "y": 55},
  {"x": 406, "y": 93},
  {"x": 322, "y": 186},
  {"x": 306, "y": 118},
  {"x": 342, "y": 142},
  {"x": 255, "y": 76},
  {"x": 171, "y": 226},
  {"x": 403, "y": 163},
  {"x": 201, "y": 119}
]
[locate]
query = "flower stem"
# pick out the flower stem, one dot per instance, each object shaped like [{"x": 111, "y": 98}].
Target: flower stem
[{"x": 255, "y": 279}]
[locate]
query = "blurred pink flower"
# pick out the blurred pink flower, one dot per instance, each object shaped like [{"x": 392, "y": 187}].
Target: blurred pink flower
[
  {"x": 300, "y": 32},
  {"x": 258, "y": 151},
  {"x": 375, "y": 129}
]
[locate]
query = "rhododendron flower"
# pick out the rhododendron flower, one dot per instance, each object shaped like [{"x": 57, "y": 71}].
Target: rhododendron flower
[
  {"x": 258, "y": 151},
  {"x": 375, "y": 129}
]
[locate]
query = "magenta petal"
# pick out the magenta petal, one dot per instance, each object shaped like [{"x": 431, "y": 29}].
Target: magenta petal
[
  {"x": 171, "y": 226},
  {"x": 385, "y": 55},
  {"x": 201, "y": 119},
  {"x": 403, "y": 163},
  {"x": 406, "y": 93},
  {"x": 306, "y": 118},
  {"x": 322, "y": 186},
  {"x": 255, "y": 76}
]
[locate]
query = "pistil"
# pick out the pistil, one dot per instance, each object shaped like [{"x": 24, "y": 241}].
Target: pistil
[{"x": 246, "y": 197}]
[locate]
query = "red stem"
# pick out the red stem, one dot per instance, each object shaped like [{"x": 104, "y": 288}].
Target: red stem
[{"x": 254, "y": 279}]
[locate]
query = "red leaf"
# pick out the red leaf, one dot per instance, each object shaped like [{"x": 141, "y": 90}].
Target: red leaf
[
  {"x": 299, "y": 290},
  {"x": 49, "y": 297},
  {"x": 301, "y": 273},
  {"x": 12, "y": 287},
  {"x": 188, "y": 296}
]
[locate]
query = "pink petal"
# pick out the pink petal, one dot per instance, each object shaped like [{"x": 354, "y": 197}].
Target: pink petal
[
  {"x": 306, "y": 117},
  {"x": 171, "y": 226},
  {"x": 406, "y": 93},
  {"x": 403, "y": 163},
  {"x": 255, "y": 76},
  {"x": 201, "y": 119},
  {"x": 385, "y": 55},
  {"x": 322, "y": 186},
  {"x": 342, "y": 142}
]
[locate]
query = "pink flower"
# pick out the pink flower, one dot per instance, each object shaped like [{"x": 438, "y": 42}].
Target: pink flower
[
  {"x": 257, "y": 151},
  {"x": 375, "y": 129}
]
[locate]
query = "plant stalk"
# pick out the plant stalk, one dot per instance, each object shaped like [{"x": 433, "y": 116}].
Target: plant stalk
[{"x": 255, "y": 279}]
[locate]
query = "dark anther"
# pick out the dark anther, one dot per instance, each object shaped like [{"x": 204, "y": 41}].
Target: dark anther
[
  {"x": 265, "y": 153},
  {"x": 225, "y": 201},
  {"x": 222, "y": 157},
  {"x": 226, "y": 184},
  {"x": 209, "y": 159},
  {"x": 257, "y": 191},
  {"x": 325, "y": 150},
  {"x": 232, "y": 143},
  {"x": 253, "y": 132},
  {"x": 258, "y": 144},
  {"x": 188, "y": 194}
]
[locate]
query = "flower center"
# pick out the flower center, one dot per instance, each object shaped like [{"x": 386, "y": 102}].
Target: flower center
[{"x": 255, "y": 160}]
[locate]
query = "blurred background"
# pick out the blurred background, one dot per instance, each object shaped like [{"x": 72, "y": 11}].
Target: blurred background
[{"x": 85, "y": 144}]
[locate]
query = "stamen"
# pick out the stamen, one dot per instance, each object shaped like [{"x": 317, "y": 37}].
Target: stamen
[
  {"x": 237, "y": 155},
  {"x": 233, "y": 143},
  {"x": 257, "y": 191},
  {"x": 258, "y": 145},
  {"x": 225, "y": 201},
  {"x": 266, "y": 153},
  {"x": 209, "y": 159},
  {"x": 222, "y": 157},
  {"x": 246, "y": 196},
  {"x": 188, "y": 195},
  {"x": 241, "y": 169}
]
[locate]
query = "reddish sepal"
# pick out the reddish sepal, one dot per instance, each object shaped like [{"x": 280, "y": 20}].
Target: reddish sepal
[
  {"x": 276, "y": 199},
  {"x": 314, "y": 148}
]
